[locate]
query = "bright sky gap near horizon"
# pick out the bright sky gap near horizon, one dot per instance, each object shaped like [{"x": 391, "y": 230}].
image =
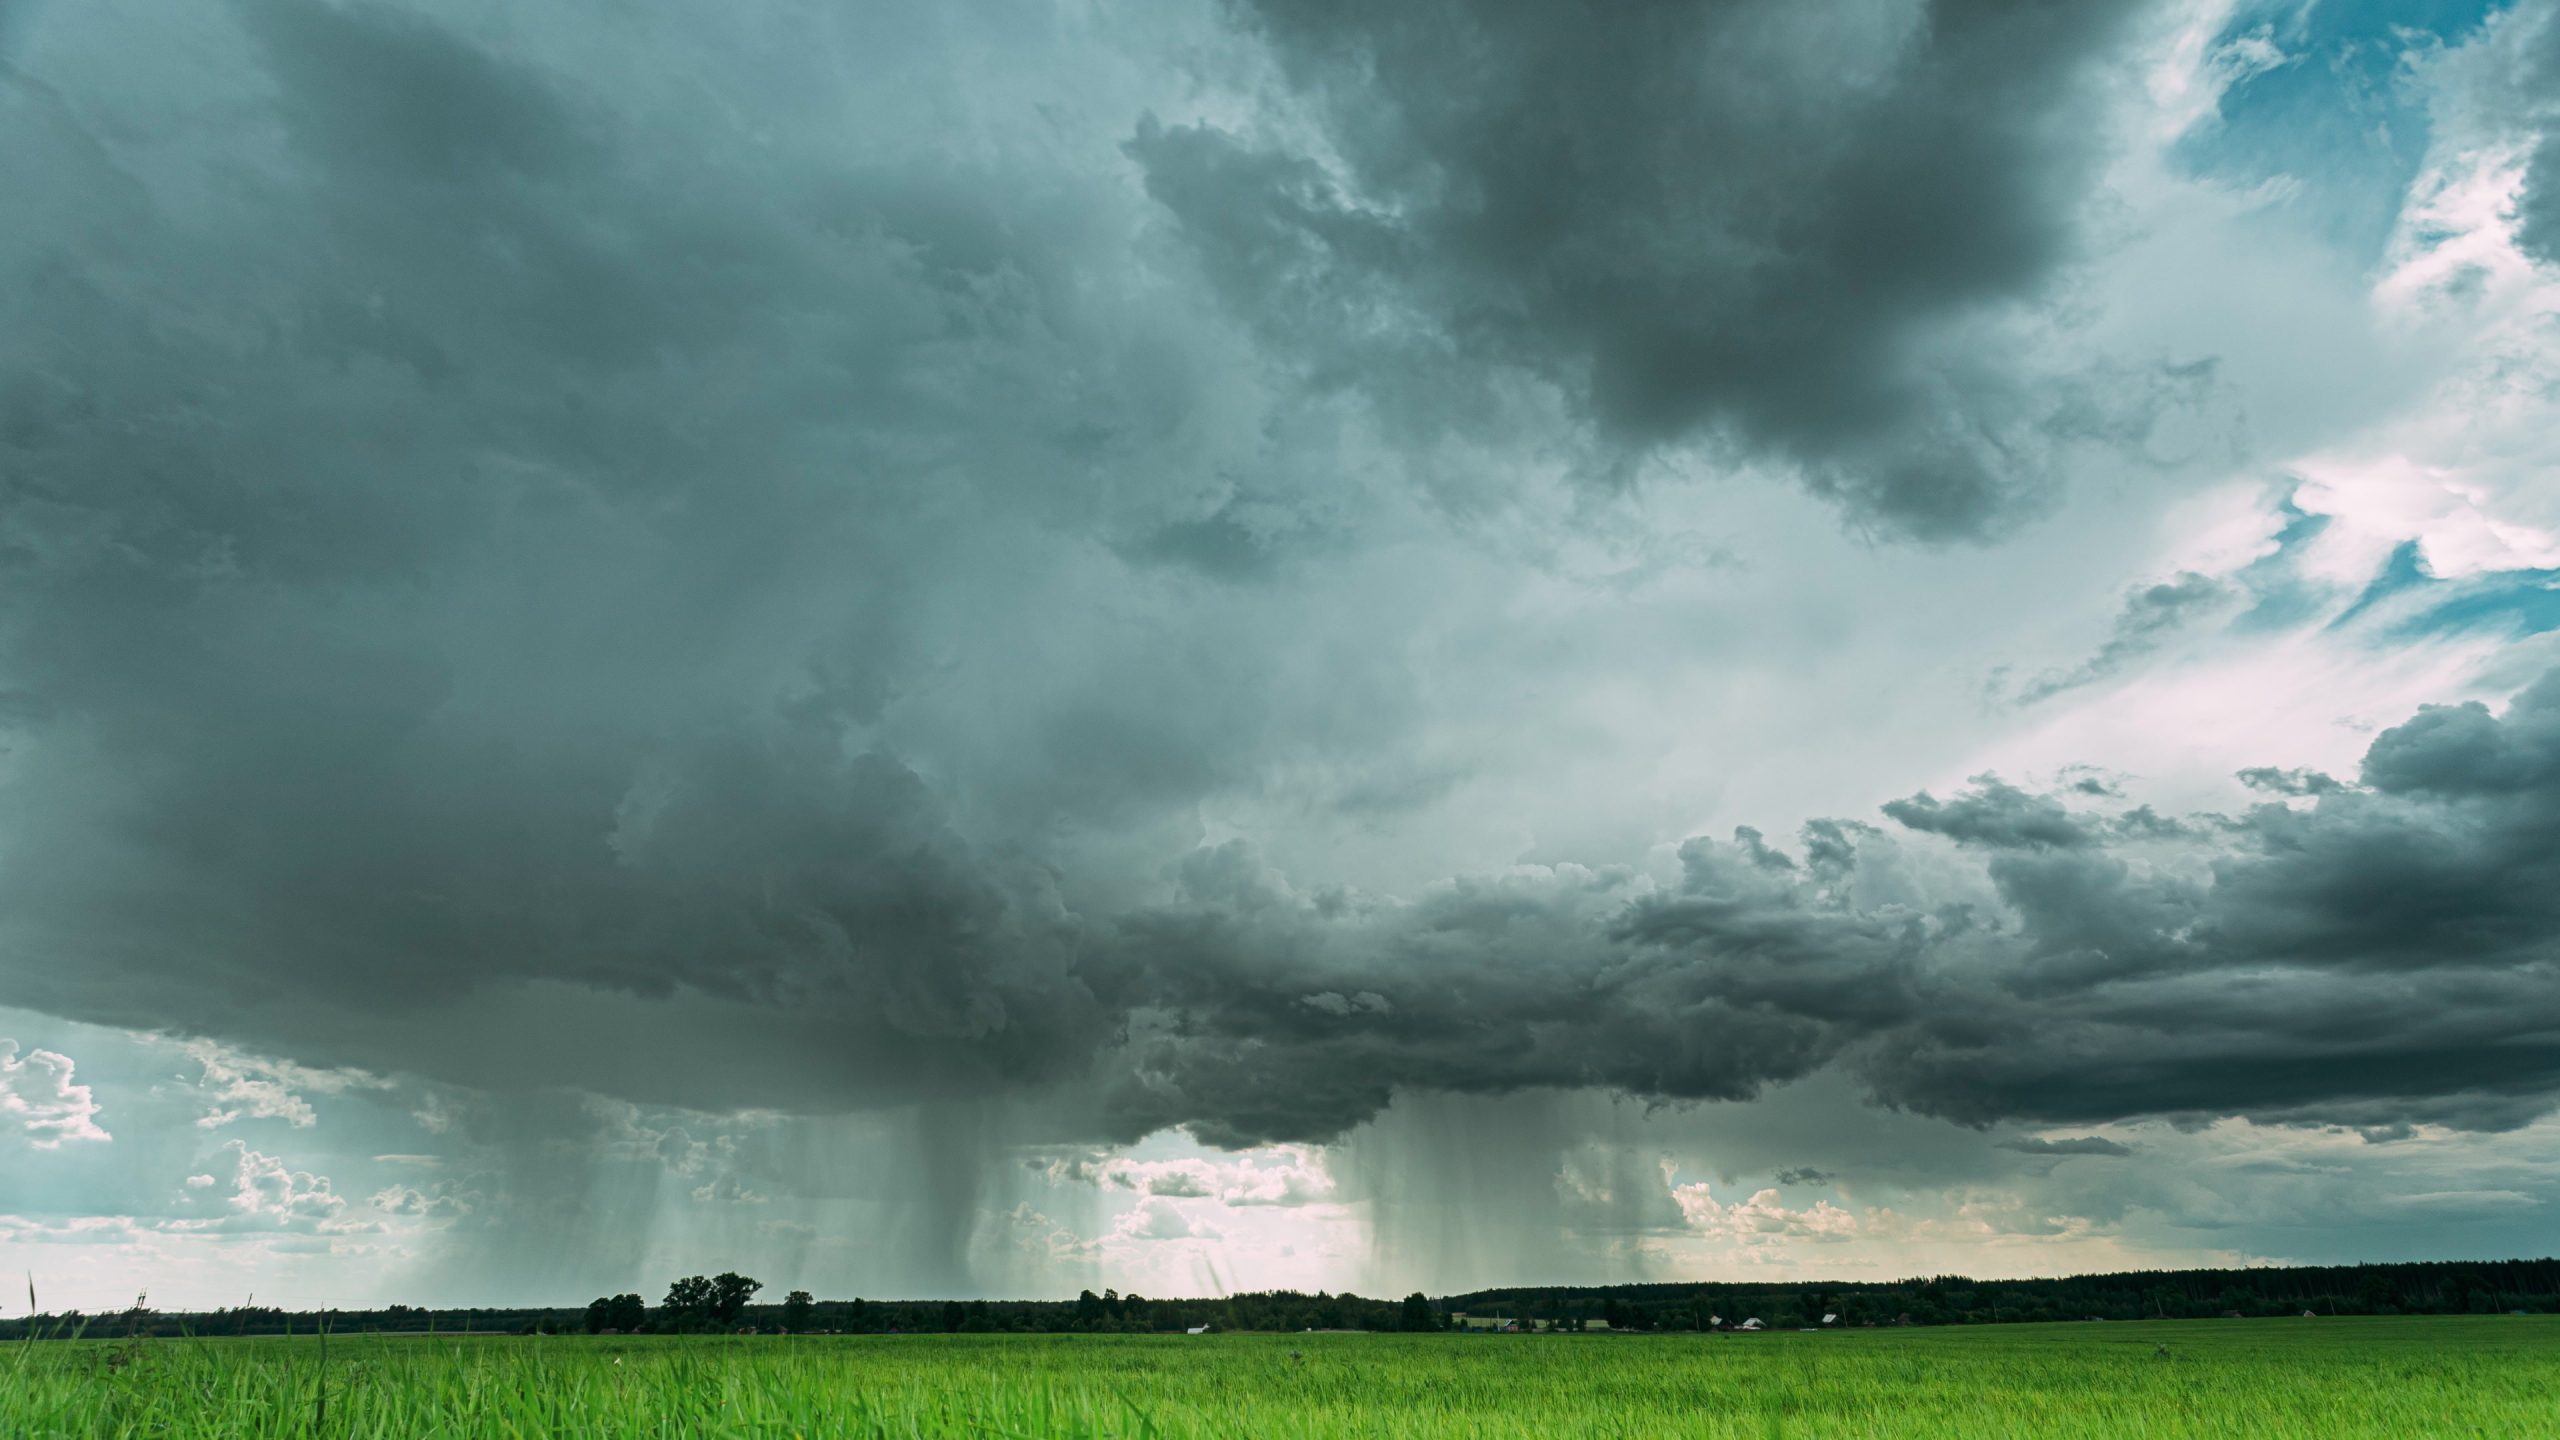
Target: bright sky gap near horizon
[{"x": 979, "y": 649}]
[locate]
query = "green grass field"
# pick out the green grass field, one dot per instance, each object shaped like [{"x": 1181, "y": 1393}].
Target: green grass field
[{"x": 2327, "y": 1378}]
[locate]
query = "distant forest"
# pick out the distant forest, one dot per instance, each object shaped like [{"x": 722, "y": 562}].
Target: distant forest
[{"x": 719, "y": 1304}]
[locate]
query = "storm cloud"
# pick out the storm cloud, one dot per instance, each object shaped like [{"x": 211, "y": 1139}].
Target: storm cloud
[
  {"x": 1811, "y": 231},
  {"x": 1058, "y": 576},
  {"x": 2378, "y": 957}
]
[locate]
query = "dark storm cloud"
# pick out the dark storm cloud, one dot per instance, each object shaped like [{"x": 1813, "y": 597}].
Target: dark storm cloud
[
  {"x": 1556, "y": 980},
  {"x": 2383, "y": 954},
  {"x": 601, "y": 576},
  {"x": 1798, "y": 228},
  {"x": 455, "y": 567},
  {"x": 2381, "y": 957},
  {"x": 382, "y": 93}
]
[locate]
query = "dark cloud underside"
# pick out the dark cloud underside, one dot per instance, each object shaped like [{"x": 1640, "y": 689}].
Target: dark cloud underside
[
  {"x": 2380, "y": 957},
  {"x": 545, "y": 572},
  {"x": 1796, "y": 227}
]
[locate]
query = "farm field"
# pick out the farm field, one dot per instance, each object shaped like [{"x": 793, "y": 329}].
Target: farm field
[{"x": 2471, "y": 1376}]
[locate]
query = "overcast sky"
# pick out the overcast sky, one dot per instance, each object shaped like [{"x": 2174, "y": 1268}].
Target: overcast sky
[{"x": 982, "y": 648}]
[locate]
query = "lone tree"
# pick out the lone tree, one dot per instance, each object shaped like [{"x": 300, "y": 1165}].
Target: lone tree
[{"x": 795, "y": 1311}]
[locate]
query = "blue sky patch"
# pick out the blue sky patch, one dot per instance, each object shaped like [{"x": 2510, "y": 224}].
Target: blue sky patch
[{"x": 2335, "y": 115}]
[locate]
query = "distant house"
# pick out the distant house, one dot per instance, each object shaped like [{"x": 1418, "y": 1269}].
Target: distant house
[{"x": 1751, "y": 1324}]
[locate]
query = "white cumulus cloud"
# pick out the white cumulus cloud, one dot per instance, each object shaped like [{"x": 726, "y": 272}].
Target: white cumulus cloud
[{"x": 39, "y": 1100}]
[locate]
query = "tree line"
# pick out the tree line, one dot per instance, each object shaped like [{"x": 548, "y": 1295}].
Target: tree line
[
  {"x": 725, "y": 1302},
  {"x": 2409, "y": 1288},
  {"x": 690, "y": 1306}
]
